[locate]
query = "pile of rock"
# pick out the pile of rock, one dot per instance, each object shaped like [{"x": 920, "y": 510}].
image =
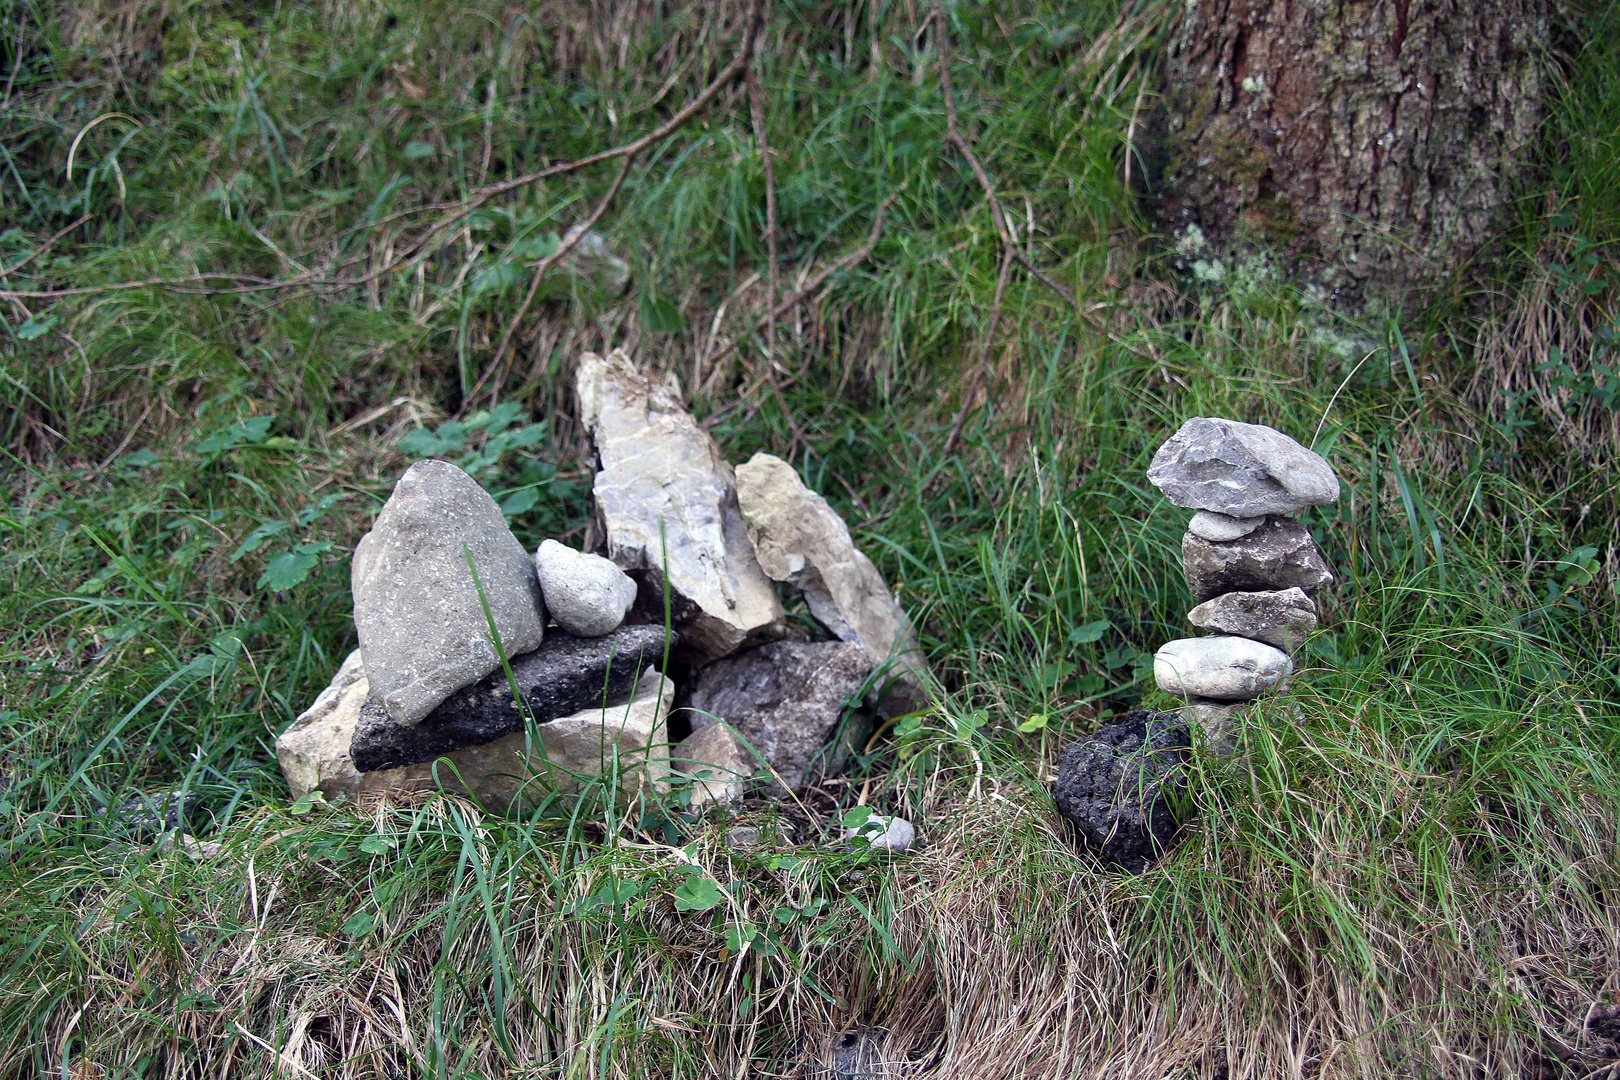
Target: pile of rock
[
  {"x": 684, "y": 605},
  {"x": 1252, "y": 569}
]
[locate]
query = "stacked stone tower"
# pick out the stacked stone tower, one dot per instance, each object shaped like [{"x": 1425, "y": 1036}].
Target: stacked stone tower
[{"x": 1252, "y": 569}]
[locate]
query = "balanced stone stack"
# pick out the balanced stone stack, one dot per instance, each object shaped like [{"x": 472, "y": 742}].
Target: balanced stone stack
[
  {"x": 1253, "y": 570},
  {"x": 452, "y": 613}
]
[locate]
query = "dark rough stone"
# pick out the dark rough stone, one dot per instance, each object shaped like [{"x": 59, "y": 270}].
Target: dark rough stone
[
  {"x": 786, "y": 700},
  {"x": 1278, "y": 555},
  {"x": 564, "y": 675},
  {"x": 1121, "y": 788}
]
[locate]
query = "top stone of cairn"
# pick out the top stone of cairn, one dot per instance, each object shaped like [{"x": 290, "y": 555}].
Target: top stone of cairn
[{"x": 1241, "y": 470}]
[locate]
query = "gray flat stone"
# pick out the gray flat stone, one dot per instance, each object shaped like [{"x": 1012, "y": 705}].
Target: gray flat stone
[
  {"x": 1280, "y": 618},
  {"x": 1220, "y": 527},
  {"x": 1241, "y": 470},
  {"x": 587, "y": 594},
  {"x": 563, "y": 676},
  {"x": 506, "y": 775},
  {"x": 665, "y": 497},
  {"x": 1121, "y": 788},
  {"x": 417, "y": 612},
  {"x": 801, "y": 540},
  {"x": 786, "y": 700},
  {"x": 1221, "y": 668},
  {"x": 1278, "y": 555}
]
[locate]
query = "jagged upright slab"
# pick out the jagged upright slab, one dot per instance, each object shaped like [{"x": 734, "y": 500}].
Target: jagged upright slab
[
  {"x": 801, "y": 540},
  {"x": 417, "y": 611},
  {"x": 665, "y": 493}
]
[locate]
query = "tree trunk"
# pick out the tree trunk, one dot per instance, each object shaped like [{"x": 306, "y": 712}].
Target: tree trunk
[{"x": 1370, "y": 147}]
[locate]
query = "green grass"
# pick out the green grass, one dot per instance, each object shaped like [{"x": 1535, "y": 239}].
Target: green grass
[{"x": 1409, "y": 869}]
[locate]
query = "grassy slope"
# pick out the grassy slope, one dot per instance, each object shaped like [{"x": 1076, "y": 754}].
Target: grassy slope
[{"x": 1411, "y": 870}]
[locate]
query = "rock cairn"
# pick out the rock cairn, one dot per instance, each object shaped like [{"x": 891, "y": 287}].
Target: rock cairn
[
  {"x": 685, "y": 540},
  {"x": 1252, "y": 569}
]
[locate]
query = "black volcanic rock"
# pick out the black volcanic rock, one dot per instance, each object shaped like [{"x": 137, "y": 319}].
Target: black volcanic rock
[
  {"x": 564, "y": 675},
  {"x": 1121, "y": 788}
]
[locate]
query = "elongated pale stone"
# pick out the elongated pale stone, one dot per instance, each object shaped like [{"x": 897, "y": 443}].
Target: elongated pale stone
[
  {"x": 505, "y": 775},
  {"x": 1241, "y": 470},
  {"x": 1220, "y": 527},
  {"x": 801, "y": 540},
  {"x": 417, "y": 611},
  {"x": 666, "y": 498},
  {"x": 1221, "y": 668}
]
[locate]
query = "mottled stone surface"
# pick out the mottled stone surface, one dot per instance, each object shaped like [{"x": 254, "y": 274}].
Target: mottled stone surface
[
  {"x": 505, "y": 775},
  {"x": 665, "y": 497},
  {"x": 1218, "y": 720},
  {"x": 1280, "y": 618},
  {"x": 422, "y": 627},
  {"x": 1121, "y": 788},
  {"x": 1220, "y": 668},
  {"x": 1241, "y": 470},
  {"x": 718, "y": 766},
  {"x": 801, "y": 540},
  {"x": 1278, "y": 555},
  {"x": 586, "y": 594},
  {"x": 1220, "y": 527},
  {"x": 786, "y": 701},
  {"x": 564, "y": 675}
]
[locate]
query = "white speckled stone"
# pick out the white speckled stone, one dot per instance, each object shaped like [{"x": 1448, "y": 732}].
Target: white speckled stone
[{"x": 587, "y": 594}]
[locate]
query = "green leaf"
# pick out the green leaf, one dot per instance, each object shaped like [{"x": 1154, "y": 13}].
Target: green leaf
[
  {"x": 660, "y": 316},
  {"x": 857, "y": 816},
  {"x": 307, "y": 802},
  {"x": 360, "y": 924},
  {"x": 140, "y": 459},
  {"x": 243, "y": 432},
  {"x": 520, "y": 501},
  {"x": 416, "y": 150},
  {"x": 698, "y": 894},
  {"x": 291, "y": 567},
  {"x": 533, "y": 248},
  {"x": 1092, "y": 631},
  {"x": 420, "y": 442},
  {"x": 1036, "y": 722},
  {"x": 36, "y": 326},
  {"x": 494, "y": 279},
  {"x": 258, "y": 536}
]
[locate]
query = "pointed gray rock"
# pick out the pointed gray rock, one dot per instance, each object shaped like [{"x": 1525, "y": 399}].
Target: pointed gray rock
[
  {"x": 664, "y": 495},
  {"x": 587, "y": 594},
  {"x": 1241, "y": 470},
  {"x": 1283, "y": 619},
  {"x": 1221, "y": 668},
  {"x": 801, "y": 540},
  {"x": 417, "y": 612},
  {"x": 1278, "y": 555}
]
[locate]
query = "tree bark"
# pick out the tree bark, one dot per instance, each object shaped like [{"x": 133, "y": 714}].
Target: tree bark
[{"x": 1370, "y": 147}]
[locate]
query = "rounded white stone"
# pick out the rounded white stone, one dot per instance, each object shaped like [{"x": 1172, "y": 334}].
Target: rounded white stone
[
  {"x": 893, "y": 834},
  {"x": 1219, "y": 528},
  {"x": 1222, "y": 668},
  {"x": 587, "y": 594}
]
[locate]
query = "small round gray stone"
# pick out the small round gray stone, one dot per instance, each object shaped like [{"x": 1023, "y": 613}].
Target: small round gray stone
[
  {"x": 1220, "y": 528},
  {"x": 587, "y": 594},
  {"x": 892, "y": 834}
]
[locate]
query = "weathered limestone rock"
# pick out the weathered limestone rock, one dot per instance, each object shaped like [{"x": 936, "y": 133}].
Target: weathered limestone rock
[
  {"x": 1241, "y": 470},
  {"x": 1122, "y": 787},
  {"x": 587, "y": 594},
  {"x": 1278, "y": 555},
  {"x": 564, "y": 675},
  {"x": 1222, "y": 668},
  {"x": 801, "y": 540},
  {"x": 881, "y": 833},
  {"x": 664, "y": 494},
  {"x": 786, "y": 701},
  {"x": 719, "y": 767},
  {"x": 1283, "y": 619},
  {"x": 1219, "y": 721},
  {"x": 1221, "y": 528},
  {"x": 421, "y": 625},
  {"x": 504, "y": 775}
]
